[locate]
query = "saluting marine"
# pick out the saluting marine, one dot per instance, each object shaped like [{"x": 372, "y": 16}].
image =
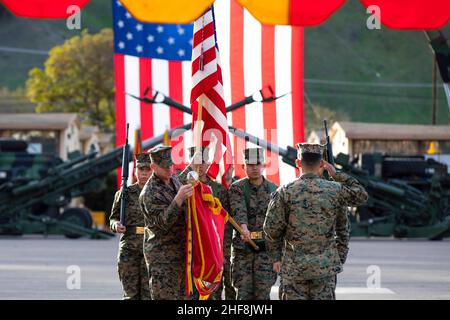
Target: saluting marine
[{"x": 308, "y": 215}]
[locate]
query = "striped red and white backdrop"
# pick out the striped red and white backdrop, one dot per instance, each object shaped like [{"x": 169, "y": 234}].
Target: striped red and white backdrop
[{"x": 252, "y": 56}]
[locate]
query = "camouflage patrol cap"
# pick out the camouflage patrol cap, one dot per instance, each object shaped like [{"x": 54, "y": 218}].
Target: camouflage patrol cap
[
  {"x": 254, "y": 155},
  {"x": 162, "y": 156},
  {"x": 310, "y": 152},
  {"x": 142, "y": 160},
  {"x": 204, "y": 151}
]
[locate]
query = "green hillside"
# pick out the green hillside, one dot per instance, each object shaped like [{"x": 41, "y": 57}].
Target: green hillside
[
  {"x": 344, "y": 50},
  {"x": 365, "y": 75},
  {"x": 40, "y": 35}
]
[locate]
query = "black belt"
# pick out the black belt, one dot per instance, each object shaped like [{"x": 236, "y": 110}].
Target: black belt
[
  {"x": 134, "y": 230},
  {"x": 258, "y": 238},
  {"x": 256, "y": 235}
]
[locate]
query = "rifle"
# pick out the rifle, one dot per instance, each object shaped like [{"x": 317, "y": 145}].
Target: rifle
[
  {"x": 329, "y": 149},
  {"x": 125, "y": 166}
]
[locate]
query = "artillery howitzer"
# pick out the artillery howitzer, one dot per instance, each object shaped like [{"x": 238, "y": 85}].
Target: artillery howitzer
[
  {"x": 400, "y": 205},
  {"x": 32, "y": 202},
  {"x": 397, "y": 207},
  {"x": 33, "y": 193}
]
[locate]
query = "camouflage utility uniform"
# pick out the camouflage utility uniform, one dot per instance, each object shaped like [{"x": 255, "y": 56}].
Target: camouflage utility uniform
[
  {"x": 165, "y": 232},
  {"x": 309, "y": 214},
  {"x": 131, "y": 264},
  {"x": 252, "y": 272}
]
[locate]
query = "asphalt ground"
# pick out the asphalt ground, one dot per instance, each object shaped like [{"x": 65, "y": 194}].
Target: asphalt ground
[{"x": 34, "y": 267}]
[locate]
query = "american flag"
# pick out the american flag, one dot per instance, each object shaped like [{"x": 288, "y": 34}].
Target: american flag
[
  {"x": 149, "y": 56},
  {"x": 207, "y": 87},
  {"x": 252, "y": 56}
]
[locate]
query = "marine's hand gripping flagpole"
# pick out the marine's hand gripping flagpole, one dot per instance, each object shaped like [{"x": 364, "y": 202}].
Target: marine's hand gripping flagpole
[{"x": 239, "y": 229}]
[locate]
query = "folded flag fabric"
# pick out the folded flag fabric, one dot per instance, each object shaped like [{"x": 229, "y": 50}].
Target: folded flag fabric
[{"x": 206, "y": 220}]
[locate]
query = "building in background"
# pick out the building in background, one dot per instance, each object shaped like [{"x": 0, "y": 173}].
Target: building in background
[
  {"x": 54, "y": 133},
  {"x": 355, "y": 138}
]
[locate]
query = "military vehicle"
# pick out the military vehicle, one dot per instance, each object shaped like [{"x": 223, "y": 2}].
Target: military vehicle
[
  {"x": 36, "y": 189},
  {"x": 414, "y": 205},
  {"x": 409, "y": 197}
]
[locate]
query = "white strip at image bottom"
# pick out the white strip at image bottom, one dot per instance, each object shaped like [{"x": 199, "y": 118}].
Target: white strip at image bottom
[{"x": 343, "y": 291}]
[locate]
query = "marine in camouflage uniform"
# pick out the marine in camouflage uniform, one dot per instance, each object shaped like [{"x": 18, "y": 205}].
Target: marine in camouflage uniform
[
  {"x": 252, "y": 272},
  {"x": 131, "y": 263},
  {"x": 163, "y": 203},
  {"x": 219, "y": 191},
  {"x": 308, "y": 214}
]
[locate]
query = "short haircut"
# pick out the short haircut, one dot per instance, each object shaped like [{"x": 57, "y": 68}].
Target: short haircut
[{"x": 310, "y": 159}]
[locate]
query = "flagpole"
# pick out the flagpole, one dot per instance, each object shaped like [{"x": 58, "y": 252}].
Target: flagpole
[
  {"x": 198, "y": 145},
  {"x": 198, "y": 142},
  {"x": 193, "y": 178}
]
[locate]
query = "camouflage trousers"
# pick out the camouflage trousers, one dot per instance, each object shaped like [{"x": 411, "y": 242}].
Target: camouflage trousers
[
  {"x": 280, "y": 289},
  {"x": 315, "y": 289},
  {"x": 230, "y": 293},
  {"x": 167, "y": 280},
  {"x": 252, "y": 275},
  {"x": 133, "y": 272}
]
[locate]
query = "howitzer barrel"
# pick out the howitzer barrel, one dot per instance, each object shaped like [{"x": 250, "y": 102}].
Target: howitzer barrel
[
  {"x": 32, "y": 185},
  {"x": 381, "y": 186},
  {"x": 177, "y": 105},
  {"x": 60, "y": 170},
  {"x": 237, "y": 105},
  {"x": 71, "y": 163},
  {"x": 150, "y": 143},
  {"x": 288, "y": 155},
  {"x": 260, "y": 142}
]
